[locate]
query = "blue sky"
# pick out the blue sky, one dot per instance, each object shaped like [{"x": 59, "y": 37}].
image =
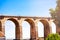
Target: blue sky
[{"x": 26, "y": 7}]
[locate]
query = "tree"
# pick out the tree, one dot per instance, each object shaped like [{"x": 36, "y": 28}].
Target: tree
[
  {"x": 56, "y": 13},
  {"x": 53, "y": 37},
  {"x": 52, "y": 13}
]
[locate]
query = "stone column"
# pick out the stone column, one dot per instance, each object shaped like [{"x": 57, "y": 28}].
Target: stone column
[
  {"x": 19, "y": 32},
  {"x": 46, "y": 31},
  {"x": 57, "y": 27},
  {"x": 34, "y": 33},
  {"x": 1, "y": 33},
  {"x": 36, "y": 26},
  {"x": 3, "y": 26},
  {"x": 50, "y": 23}
]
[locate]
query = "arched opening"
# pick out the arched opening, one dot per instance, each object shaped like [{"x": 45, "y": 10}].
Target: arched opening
[
  {"x": 9, "y": 30},
  {"x": 46, "y": 28},
  {"x": 11, "y": 26},
  {"x": 25, "y": 30},
  {"x": 40, "y": 29},
  {"x": 53, "y": 27},
  {"x": 32, "y": 29},
  {"x": 0, "y": 26}
]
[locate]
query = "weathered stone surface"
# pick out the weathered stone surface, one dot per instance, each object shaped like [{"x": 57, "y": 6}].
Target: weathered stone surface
[
  {"x": 1, "y": 34},
  {"x": 33, "y": 25}
]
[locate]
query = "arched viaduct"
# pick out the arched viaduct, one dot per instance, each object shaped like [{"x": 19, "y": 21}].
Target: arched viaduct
[{"x": 33, "y": 25}]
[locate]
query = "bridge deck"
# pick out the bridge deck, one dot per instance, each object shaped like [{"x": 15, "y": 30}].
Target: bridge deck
[{"x": 1, "y": 16}]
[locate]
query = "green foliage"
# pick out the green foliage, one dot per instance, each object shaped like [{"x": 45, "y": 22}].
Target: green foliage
[
  {"x": 53, "y": 37},
  {"x": 51, "y": 10},
  {"x": 52, "y": 13}
]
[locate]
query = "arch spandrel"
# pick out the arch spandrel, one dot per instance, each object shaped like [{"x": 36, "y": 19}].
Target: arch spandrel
[
  {"x": 14, "y": 21},
  {"x": 29, "y": 20}
]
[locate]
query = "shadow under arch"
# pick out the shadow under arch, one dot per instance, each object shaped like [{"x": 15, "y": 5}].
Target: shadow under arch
[
  {"x": 32, "y": 28},
  {"x": 46, "y": 28},
  {"x": 17, "y": 29},
  {"x": 0, "y": 26}
]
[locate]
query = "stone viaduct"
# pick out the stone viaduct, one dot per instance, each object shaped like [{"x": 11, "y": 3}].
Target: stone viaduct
[{"x": 33, "y": 25}]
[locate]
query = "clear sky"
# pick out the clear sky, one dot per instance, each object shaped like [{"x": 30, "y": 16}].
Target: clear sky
[{"x": 25, "y": 8}]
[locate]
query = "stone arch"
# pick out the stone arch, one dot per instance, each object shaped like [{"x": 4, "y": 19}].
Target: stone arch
[
  {"x": 46, "y": 26},
  {"x": 17, "y": 29},
  {"x": 32, "y": 28},
  {"x": 40, "y": 29},
  {"x": 25, "y": 30},
  {"x": 57, "y": 26},
  {"x": 0, "y": 26}
]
